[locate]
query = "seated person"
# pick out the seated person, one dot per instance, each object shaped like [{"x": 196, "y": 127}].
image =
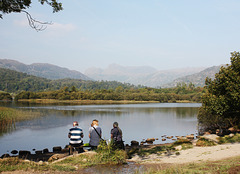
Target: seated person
[{"x": 75, "y": 134}]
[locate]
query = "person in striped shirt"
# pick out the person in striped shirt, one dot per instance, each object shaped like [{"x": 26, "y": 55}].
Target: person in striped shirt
[{"x": 75, "y": 134}]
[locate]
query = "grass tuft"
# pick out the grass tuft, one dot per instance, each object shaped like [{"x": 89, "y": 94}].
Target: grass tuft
[{"x": 205, "y": 142}]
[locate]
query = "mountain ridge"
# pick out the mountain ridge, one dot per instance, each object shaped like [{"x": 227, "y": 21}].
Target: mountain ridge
[
  {"x": 136, "y": 75},
  {"x": 44, "y": 70},
  {"x": 143, "y": 75}
]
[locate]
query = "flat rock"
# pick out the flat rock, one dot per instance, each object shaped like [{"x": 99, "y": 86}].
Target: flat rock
[{"x": 212, "y": 137}]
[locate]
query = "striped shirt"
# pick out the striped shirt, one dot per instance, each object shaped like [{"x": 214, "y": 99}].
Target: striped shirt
[{"x": 76, "y": 134}]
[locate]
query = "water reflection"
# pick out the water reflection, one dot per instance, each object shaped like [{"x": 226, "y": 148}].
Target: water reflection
[{"x": 138, "y": 121}]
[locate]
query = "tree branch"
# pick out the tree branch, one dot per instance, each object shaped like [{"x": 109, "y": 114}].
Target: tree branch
[{"x": 35, "y": 24}]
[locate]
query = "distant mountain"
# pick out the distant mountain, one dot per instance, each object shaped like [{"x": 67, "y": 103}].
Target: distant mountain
[
  {"x": 142, "y": 75},
  {"x": 120, "y": 73},
  {"x": 42, "y": 70},
  {"x": 198, "y": 79}
]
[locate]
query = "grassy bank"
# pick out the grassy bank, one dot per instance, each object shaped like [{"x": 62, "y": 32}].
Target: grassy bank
[
  {"x": 76, "y": 164},
  {"x": 229, "y": 165},
  {"x": 104, "y": 155}
]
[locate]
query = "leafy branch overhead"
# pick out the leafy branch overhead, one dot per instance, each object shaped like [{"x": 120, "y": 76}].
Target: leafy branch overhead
[{"x": 19, "y": 6}]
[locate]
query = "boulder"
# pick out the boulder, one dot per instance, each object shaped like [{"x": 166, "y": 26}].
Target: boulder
[
  {"x": 212, "y": 137},
  {"x": 134, "y": 143},
  {"x": 24, "y": 153},
  {"x": 57, "y": 157},
  {"x": 150, "y": 140},
  {"x": 57, "y": 149},
  {"x": 178, "y": 147},
  {"x": 5, "y": 155},
  {"x": 232, "y": 129},
  {"x": 38, "y": 152},
  {"x": 14, "y": 152},
  {"x": 190, "y": 137},
  {"x": 181, "y": 138},
  {"x": 54, "y": 157},
  {"x": 45, "y": 150}
]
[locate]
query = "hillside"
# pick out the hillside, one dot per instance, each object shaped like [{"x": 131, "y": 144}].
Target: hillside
[
  {"x": 42, "y": 70},
  {"x": 142, "y": 75},
  {"x": 198, "y": 79},
  {"x": 13, "y": 81}
]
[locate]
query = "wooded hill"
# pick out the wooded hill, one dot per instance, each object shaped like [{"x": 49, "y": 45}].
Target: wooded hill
[
  {"x": 44, "y": 70},
  {"x": 14, "y": 82}
]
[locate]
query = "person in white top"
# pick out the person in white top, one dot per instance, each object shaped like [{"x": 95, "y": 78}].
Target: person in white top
[{"x": 95, "y": 134}]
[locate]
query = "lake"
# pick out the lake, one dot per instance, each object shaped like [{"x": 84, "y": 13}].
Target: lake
[{"x": 137, "y": 121}]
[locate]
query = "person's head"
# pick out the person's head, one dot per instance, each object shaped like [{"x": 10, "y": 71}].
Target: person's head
[
  {"x": 95, "y": 122},
  {"x": 75, "y": 123},
  {"x": 115, "y": 124}
]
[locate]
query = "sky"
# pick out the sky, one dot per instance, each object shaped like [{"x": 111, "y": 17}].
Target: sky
[{"x": 163, "y": 34}]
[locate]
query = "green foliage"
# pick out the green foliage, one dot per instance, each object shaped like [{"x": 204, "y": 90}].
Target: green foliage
[
  {"x": 13, "y": 81},
  {"x": 8, "y": 116},
  {"x": 9, "y": 6},
  {"x": 155, "y": 150},
  {"x": 107, "y": 154},
  {"x": 120, "y": 93},
  {"x": 221, "y": 100},
  {"x": 204, "y": 142},
  {"x": 185, "y": 143},
  {"x": 5, "y": 96},
  {"x": 229, "y": 139}
]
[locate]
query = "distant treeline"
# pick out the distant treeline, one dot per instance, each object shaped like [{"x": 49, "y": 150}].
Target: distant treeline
[{"x": 179, "y": 93}]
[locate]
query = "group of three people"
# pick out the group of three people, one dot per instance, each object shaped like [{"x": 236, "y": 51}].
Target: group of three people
[{"x": 95, "y": 135}]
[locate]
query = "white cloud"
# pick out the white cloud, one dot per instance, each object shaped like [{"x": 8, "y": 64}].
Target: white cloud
[
  {"x": 62, "y": 27},
  {"x": 22, "y": 22}
]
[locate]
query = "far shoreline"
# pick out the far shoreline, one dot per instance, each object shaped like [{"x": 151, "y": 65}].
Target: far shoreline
[{"x": 88, "y": 102}]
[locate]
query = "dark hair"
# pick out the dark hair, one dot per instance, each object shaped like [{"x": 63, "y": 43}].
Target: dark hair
[{"x": 115, "y": 124}]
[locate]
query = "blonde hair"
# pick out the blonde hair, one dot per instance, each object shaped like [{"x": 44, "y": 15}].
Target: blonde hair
[{"x": 95, "y": 122}]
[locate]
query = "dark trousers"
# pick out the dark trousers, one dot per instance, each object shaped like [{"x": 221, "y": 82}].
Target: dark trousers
[
  {"x": 93, "y": 147},
  {"x": 76, "y": 147},
  {"x": 119, "y": 145}
]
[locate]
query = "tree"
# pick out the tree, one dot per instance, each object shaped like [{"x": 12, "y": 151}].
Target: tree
[
  {"x": 18, "y": 6},
  {"x": 221, "y": 101}
]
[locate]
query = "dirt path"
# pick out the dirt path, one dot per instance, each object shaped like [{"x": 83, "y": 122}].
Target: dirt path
[{"x": 196, "y": 154}]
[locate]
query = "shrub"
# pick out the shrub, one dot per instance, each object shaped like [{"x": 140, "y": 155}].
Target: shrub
[
  {"x": 185, "y": 143},
  {"x": 204, "y": 142},
  {"x": 229, "y": 139}
]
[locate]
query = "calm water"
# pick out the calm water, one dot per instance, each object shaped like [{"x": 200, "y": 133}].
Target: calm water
[{"x": 137, "y": 121}]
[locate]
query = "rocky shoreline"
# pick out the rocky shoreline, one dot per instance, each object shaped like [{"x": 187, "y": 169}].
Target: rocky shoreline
[{"x": 58, "y": 152}]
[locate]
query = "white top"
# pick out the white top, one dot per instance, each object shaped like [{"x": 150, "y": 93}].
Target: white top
[{"x": 94, "y": 137}]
